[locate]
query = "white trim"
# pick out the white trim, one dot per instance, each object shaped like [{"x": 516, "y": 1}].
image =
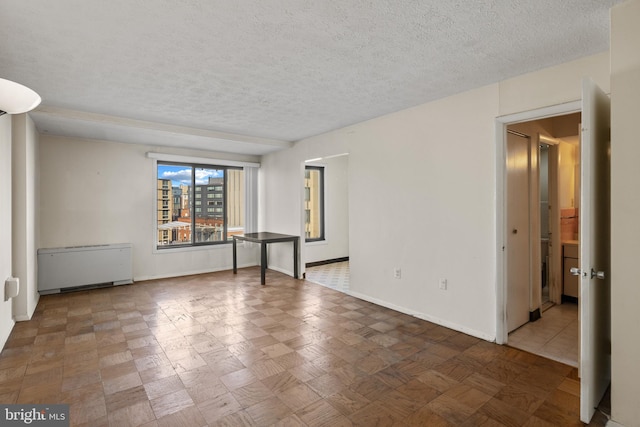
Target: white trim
[
  {"x": 501, "y": 224},
  {"x": 317, "y": 242},
  {"x": 189, "y": 248},
  {"x": 189, "y": 273},
  {"x": 501, "y": 123},
  {"x": 541, "y": 113},
  {"x": 281, "y": 270},
  {"x": 154, "y": 208},
  {"x": 5, "y": 338},
  {"x": 201, "y": 160},
  {"x": 423, "y": 316}
]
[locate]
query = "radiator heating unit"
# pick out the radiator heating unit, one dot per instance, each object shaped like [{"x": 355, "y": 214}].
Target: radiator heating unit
[{"x": 80, "y": 267}]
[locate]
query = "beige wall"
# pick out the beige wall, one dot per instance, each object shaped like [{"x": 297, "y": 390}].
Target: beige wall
[
  {"x": 554, "y": 85},
  {"x": 6, "y": 320},
  {"x": 568, "y": 171},
  {"x": 25, "y": 199},
  {"x": 97, "y": 192},
  {"x": 435, "y": 168},
  {"x": 625, "y": 212}
]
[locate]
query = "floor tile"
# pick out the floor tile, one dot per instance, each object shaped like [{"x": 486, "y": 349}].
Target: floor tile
[{"x": 221, "y": 350}]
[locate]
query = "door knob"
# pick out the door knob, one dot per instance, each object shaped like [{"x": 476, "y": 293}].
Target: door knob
[
  {"x": 597, "y": 274},
  {"x": 575, "y": 271}
]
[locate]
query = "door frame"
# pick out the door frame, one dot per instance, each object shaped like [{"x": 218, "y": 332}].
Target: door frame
[
  {"x": 501, "y": 124},
  {"x": 327, "y": 204}
]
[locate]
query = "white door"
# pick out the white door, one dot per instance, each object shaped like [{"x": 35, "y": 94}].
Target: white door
[
  {"x": 517, "y": 250},
  {"x": 595, "y": 249}
]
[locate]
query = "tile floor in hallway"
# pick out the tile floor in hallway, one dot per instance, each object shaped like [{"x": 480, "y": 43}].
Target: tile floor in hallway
[
  {"x": 334, "y": 275},
  {"x": 221, "y": 350},
  {"x": 554, "y": 335}
]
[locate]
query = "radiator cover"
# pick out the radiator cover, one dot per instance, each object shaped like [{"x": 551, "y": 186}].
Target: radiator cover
[{"x": 61, "y": 269}]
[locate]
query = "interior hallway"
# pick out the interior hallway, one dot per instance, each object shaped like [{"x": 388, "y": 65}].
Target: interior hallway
[
  {"x": 334, "y": 275},
  {"x": 220, "y": 349},
  {"x": 554, "y": 335}
]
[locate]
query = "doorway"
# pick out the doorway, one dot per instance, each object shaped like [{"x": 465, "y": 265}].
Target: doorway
[
  {"x": 593, "y": 249},
  {"x": 541, "y": 190},
  {"x": 547, "y": 140},
  {"x": 325, "y": 211}
]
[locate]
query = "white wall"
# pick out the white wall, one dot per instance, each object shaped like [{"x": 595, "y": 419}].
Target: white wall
[
  {"x": 553, "y": 85},
  {"x": 625, "y": 212},
  {"x": 6, "y": 320},
  {"x": 281, "y": 191},
  {"x": 419, "y": 200},
  {"x": 96, "y": 192},
  {"x": 567, "y": 175},
  {"x": 25, "y": 214},
  {"x": 336, "y": 192},
  {"x": 434, "y": 169}
]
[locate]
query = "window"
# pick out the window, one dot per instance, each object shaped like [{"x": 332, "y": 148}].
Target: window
[
  {"x": 181, "y": 219},
  {"x": 314, "y": 203}
]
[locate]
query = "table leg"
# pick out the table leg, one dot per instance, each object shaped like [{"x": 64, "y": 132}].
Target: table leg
[
  {"x": 235, "y": 260},
  {"x": 263, "y": 262},
  {"x": 295, "y": 259}
]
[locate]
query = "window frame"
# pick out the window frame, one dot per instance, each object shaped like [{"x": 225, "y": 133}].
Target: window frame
[
  {"x": 321, "y": 203},
  {"x": 195, "y": 196}
]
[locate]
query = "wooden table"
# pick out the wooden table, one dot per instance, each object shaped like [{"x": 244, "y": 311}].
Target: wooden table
[{"x": 264, "y": 238}]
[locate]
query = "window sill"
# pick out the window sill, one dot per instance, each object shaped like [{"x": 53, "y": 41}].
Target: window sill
[{"x": 177, "y": 249}]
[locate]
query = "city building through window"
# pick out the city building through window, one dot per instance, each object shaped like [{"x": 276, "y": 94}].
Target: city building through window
[
  {"x": 314, "y": 203},
  {"x": 180, "y": 189}
]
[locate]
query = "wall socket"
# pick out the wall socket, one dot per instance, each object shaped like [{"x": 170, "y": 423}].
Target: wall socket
[
  {"x": 442, "y": 284},
  {"x": 397, "y": 272}
]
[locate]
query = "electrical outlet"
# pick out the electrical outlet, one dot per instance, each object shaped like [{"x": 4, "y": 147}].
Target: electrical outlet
[
  {"x": 442, "y": 284},
  {"x": 397, "y": 272}
]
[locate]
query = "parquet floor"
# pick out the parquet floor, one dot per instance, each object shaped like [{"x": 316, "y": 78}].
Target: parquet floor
[{"x": 221, "y": 350}]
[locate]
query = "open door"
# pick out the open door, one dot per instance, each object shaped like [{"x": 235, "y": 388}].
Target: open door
[
  {"x": 518, "y": 243},
  {"x": 595, "y": 249}
]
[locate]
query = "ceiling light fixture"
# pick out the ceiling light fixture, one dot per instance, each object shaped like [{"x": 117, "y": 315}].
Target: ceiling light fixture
[{"x": 16, "y": 98}]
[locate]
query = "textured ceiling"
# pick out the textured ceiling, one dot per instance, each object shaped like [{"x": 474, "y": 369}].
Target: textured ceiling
[{"x": 191, "y": 73}]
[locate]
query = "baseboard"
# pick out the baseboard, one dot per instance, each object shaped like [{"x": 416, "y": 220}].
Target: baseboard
[
  {"x": 326, "y": 261},
  {"x": 3, "y": 338},
  {"x": 567, "y": 298},
  {"x": 423, "y": 316},
  {"x": 280, "y": 270},
  {"x": 31, "y": 310},
  {"x": 190, "y": 273},
  {"x": 205, "y": 271},
  {"x": 534, "y": 315}
]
